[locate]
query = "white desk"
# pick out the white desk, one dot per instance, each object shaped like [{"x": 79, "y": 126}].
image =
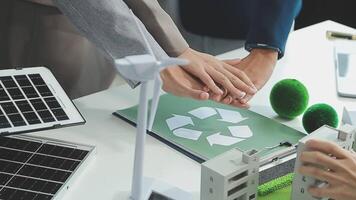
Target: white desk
[{"x": 309, "y": 58}]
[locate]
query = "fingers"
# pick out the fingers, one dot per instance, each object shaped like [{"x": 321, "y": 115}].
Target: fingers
[
  {"x": 246, "y": 99},
  {"x": 322, "y": 192},
  {"x": 192, "y": 93},
  {"x": 327, "y": 148},
  {"x": 244, "y": 81},
  {"x": 206, "y": 79},
  {"x": 237, "y": 103},
  {"x": 218, "y": 98},
  {"x": 242, "y": 86},
  {"x": 226, "y": 83},
  {"x": 321, "y": 174},
  {"x": 233, "y": 77},
  {"x": 316, "y": 157},
  {"x": 185, "y": 91},
  {"x": 193, "y": 90},
  {"x": 227, "y": 100},
  {"x": 237, "y": 77},
  {"x": 180, "y": 83}
]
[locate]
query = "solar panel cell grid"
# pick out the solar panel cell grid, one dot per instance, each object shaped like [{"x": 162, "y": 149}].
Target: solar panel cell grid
[
  {"x": 17, "y": 120},
  {"x": 46, "y": 116},
  {"x": 27, "y": 100},
  {"x": 3, "y": 95},
  {"x": 52, "y": 102},
  {"x": 8, "y": 82},
  {"x": 32, "y": 118},
  {"x": 4, "y": 123},
  {"x": 36, "y": 79},
  {"x": 14, "y": 155},
  {"x": 44, "y": 91},
  {"x": 23, "y": 81},
  {"x": 4, "y": 178},
  {"x": 14, "y": 194},
  {"x": 15, "y": 93},
  {"x": 23, "y": 145},
  {"x": 44, "y": 173},
  {"x": 9, "y": 167},
  {"x": 9, "y": 108},
  {"x": 35, "y": 170},
  {"x": 30, "y": 92},
  {"x": 24, "y": 106}
]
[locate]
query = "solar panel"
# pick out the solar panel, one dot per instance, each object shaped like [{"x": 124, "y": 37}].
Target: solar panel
[
  {"x": 32, "y": 99},
  {"x": 38, "y": 169}
]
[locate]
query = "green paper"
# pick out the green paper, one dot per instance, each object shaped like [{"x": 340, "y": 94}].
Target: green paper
[{"x": 267, "y": 132}]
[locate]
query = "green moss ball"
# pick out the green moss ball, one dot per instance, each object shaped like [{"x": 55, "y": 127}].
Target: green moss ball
[
  {"x": 318, "y": 115},
  {"x": 289, "y": 98}
]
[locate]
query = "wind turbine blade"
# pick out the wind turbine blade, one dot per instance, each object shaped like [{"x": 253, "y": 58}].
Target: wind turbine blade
[
  {"x": 155, "y": 100},
  {"x": 149, "y": 48}
]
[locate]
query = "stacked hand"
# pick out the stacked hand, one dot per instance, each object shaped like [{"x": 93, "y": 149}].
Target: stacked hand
[
  {"x": 231, "y": 82},
  {"x": 217, "y": 75},
  {"x": 258, "y": 66},
  {"x": 339, "y": 170}
]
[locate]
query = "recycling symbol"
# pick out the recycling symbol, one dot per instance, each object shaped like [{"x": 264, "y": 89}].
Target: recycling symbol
[{"x": 238, "y": 133}]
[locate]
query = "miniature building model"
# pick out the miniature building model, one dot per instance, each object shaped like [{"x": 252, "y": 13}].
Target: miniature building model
[
  {"x": 231, "y": 176},
  {"x": 349, "y": 115},
  {"x": 235, "y": 175},
  {"x": 343, "y": 137}
]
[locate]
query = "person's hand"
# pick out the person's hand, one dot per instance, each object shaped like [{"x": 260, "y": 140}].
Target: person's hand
[
  {"x": 339, "y": 170},
  {"x": 215, "y": 74},
  {"x": 178, "y": 82},
  {"x": 258, "y": 66}
]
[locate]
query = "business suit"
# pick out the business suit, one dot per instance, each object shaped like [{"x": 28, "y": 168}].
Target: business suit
[
  {"x": 266, "y": 22},
  {"x": 35, "y": 32}
]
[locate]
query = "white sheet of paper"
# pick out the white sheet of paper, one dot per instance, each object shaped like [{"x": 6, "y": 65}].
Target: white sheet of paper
[
  {"x": 178, "y": 121},
  {"x": 203, "y": 112},
  {"x": 240, "y": 131},
  {"x": 230, "y": 116},
  {"x": 187, "y": 133},
  {"x": 222, "y": 140}
]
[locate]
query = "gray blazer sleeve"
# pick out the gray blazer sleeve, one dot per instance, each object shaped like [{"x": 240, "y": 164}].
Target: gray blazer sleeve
[
  {"x": 160, "y": 25},
  {"x": 110, "y": 26}
]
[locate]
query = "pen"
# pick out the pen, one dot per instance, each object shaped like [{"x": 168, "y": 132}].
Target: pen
[{"x": 338, "y": 35}]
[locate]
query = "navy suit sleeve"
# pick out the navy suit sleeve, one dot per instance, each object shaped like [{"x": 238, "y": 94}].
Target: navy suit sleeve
[{"x": 270, "y": 23}]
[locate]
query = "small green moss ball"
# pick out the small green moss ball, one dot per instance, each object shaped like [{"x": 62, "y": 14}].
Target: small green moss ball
[
  {"x": 289, "y": 98},
  {"x": 318, "y": 115}
]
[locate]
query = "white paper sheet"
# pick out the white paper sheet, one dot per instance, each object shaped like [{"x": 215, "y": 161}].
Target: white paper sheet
[
  {"x": 187, "y": 133},
  {"x": 178, "y": 121},
  {"x": 240, "y": 131},
  {"x": 203, "y": 112},
  {"x": 230, "y": 116},
  {"x": 218, "y": 139}
]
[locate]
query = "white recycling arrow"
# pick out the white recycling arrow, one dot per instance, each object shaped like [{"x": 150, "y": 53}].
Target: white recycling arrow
[
  {"x": 203, "y": 112},
  {"x": 240, "y": 131},
  {"x": 230, "y": 116},
  {"x": 187, "y": 133},
  {"x": 178, "y": 121},
  {"x": 222, "y": 140}
]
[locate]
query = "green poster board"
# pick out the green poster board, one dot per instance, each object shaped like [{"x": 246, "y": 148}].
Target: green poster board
[{"x": 266, "y": 132}]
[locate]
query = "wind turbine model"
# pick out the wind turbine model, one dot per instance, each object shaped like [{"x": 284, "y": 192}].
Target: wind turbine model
[{"x": 145, "y": 68}]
